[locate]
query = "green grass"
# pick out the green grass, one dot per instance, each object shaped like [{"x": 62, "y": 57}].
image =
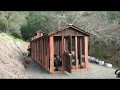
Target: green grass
[{"x": 11, "y": 38}]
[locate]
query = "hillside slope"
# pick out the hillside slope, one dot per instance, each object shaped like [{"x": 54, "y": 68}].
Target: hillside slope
[{"x": 10, "y": 59}]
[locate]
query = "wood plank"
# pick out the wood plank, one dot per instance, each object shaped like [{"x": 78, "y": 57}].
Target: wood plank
[
  {"x": 80, "y": 51},
  {"x": 33, "y": 50},
  {"x": 68, "y": 31},
  {"x": 76, "y": 52},
  {"x": 63, "y": 48},
  {"x": 43, "y": 53},
  {"x": 68, "y": 62},
  {"x": 40, "y": 51},
  {"x": 86, "y": 51},
  {"x": 48, "y": 54},
  {"x": 70, "y": 44},
  {"x": 37, "y": 50},
  {"x": 51, "y": 43},
  {"x": 60, "y": 44}
]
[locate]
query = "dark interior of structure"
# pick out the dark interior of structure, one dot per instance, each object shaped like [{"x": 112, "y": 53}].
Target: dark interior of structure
[{"x": 70, "y": 48}]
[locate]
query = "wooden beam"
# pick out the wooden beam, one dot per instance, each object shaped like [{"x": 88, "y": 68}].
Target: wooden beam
[
  {"x": 64, "y": 44},
  {"x": 76, "y": 53},
  {"x": 44, "y": 52},
  {"x": 63, "y": 53},
  {"x": 51, "y": 43},
  {"x": 40, "y": 50},
  {"x": 80, "y": 51},
  {"x": 70, "y": 44},
  {"x": 86, "y": 51},
  {"x": 37, "y": 50},
  {"x": 48, "y": 53}
]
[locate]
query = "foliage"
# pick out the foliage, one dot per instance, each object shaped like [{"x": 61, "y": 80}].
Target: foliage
[
  {"x": 98, "y": 51},
  {"x": 103, "y": 25},
  {"x": 11, "y": 22},
  {"x": 107, "y": 56}
]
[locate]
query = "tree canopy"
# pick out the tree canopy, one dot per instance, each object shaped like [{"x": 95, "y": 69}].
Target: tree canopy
[{"x": 103, "y": 25}]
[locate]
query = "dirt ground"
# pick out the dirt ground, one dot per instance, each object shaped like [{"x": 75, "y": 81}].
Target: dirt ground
[{"x": 35, "y": 71}]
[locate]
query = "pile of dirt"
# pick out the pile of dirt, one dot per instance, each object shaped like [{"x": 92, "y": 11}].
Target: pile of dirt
[{"x": 11, "y": 65}]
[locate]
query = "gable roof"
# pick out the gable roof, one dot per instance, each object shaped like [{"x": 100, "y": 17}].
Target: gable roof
[{"x": 70, "y": 26}]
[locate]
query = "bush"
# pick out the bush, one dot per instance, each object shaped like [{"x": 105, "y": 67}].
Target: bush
[
  {"x": 107, "y": 56},
  {"x": 98, "y": 51}
]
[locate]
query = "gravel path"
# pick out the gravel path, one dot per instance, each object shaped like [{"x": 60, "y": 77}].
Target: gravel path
[{"x": 35, "y": 71}]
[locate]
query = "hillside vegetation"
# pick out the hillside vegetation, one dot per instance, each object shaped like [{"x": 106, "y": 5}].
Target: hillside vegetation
[{"x": 10, "y": 58}]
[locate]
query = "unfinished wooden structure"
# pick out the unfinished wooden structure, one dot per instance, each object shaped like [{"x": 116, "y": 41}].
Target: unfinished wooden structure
[{"x": 69, "y": 43}]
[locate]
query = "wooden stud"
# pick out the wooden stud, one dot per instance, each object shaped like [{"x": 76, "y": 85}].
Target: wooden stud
[
  {"x": 35, "y": 50},
  {"x": 70, "y": 44},
  {"x": 86, "y": 51},
  {"x": 51, "y": 41},
  {"x": 63, "y": 48},
  {"x": 41, "y": 51},
  {"x": 48, "y": 53},
  {"x": 76, "y": 53},
  {"x": 80, "y": 51}
]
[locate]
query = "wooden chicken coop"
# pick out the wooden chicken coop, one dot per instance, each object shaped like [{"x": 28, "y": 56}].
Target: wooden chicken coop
[{"x": 68, "y": 46}]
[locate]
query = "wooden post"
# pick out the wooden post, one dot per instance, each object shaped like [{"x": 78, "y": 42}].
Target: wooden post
[
  {"x": 48, "y": 53},
  {"x": 37, "y": 50},
  {"x": 80, "y": 51},
  {"x": 70, "y": 44},
  {"x": 76, "y": 53},
  {"x": 51, "y": 41},
  {"x": 86, "y": 51},
  {"x": 43, "y": 51},
  {"x": 63, "y": 54},
  {"x": 40, "y": 50},
  {"x": 32, "y": 49}
]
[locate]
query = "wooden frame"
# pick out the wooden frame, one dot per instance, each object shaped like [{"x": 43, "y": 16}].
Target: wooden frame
[{"x": 42, "y": 48}]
